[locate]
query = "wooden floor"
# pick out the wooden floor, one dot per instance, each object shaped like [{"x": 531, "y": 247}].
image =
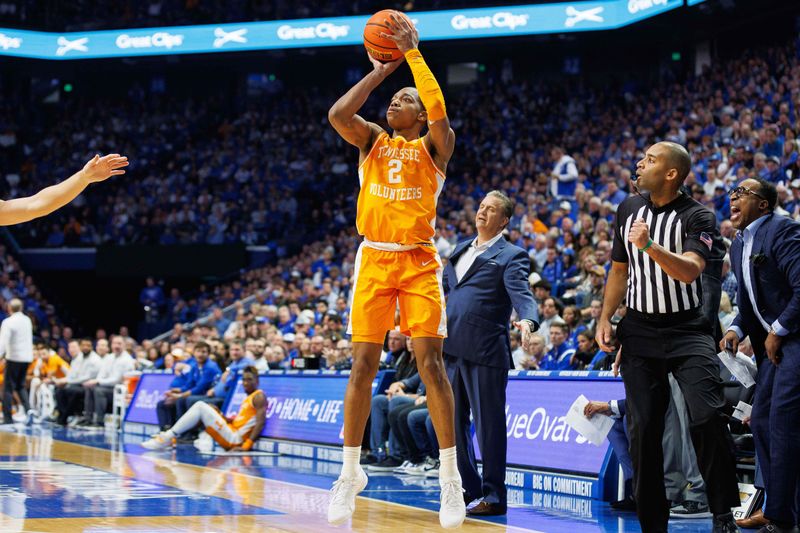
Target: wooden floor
[{"x": 294, "y": 507}]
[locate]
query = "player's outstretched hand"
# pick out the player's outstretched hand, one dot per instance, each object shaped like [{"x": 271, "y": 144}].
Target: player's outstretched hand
[
  {"x": 404, "y": 34},
  {"x": 101, "y": 168}
]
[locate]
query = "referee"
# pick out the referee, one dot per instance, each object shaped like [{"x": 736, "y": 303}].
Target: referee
[
  {"x": 16, "y": 345},
  {"x": 661, "y": 243}
]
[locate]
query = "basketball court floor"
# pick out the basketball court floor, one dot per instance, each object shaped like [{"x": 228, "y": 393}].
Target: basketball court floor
[{"x": 66, "y": 480}]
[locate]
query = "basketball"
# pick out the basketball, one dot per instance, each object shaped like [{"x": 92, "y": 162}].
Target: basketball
[{"x": 381, "y": 48}]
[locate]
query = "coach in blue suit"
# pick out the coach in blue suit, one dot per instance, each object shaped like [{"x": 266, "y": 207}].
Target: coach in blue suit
[
  {"x": 766, "y": 261},
  {"x": 484, "y": 278}
]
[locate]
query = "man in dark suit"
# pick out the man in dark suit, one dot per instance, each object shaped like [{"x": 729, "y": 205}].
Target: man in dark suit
[
  {"x": 765, "y": 258},
  {"x": 484, "y": 278}
]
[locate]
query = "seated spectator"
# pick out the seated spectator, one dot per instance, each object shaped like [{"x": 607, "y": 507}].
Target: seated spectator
[
  {"x": 99, "y": 391},
  {"x": 238, "y": 434},
  {"x": 386, "y": 409},
  {"x": 572, "y": 319},
  {"x": 589, "y": 356},
  {"x": 414, "y": 458},
  {"x": 340, "y": 357},
  {"x": 399, "y": 355},
  {"x": 560, "y": 355},
  {"x": 217, "y": 394},
  {"x": 46, "y": 367},
  {"x": 550, "y": 313},
  {"x": 529, "y": 360},
  {"x": 197, "y": 381},
  {"x": 421, "y": 428},
  {"x": 69, "y": 391}
]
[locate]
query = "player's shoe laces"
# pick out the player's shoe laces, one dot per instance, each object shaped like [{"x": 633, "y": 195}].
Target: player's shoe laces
[
  {"x": 343, "y": 497},
  {"x": 452, "y": 510},
  {"x": 159, "y": 442}
]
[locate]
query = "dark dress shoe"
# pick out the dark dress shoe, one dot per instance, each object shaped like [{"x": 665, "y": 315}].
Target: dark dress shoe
[
  {"x": 483, "y": 508},
  {"x": 754, "y": 521},
  {"x": 774, "y": 528},
  {"x": 628, "y": 504}
]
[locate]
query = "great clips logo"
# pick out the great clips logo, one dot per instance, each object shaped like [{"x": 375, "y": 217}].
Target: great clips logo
[
  {"x": 501, "y": 19},
  {"x": 635, "y": 6},
  {"x": 7, "y": 42},
  {"x": 323, "y": 30},
  {"x": 161, "y": 39}
]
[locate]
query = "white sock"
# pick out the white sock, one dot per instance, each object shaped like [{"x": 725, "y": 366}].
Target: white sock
[
  {"x": 169, "y": 434},
  {"x": 448, "y": 467},
  {"x": 351, "y": 457}
]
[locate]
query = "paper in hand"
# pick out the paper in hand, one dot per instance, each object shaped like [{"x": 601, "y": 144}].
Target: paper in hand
[
  {"x": 742, "y": 410},
  {"x": 739, "y": 365},
  {"x": 593, "y": 429}
]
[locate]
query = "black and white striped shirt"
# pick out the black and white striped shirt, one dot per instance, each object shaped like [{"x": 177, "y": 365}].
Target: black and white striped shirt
[{"x": 682, "y": 225}]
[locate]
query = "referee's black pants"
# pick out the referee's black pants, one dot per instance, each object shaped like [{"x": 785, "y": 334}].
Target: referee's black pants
[
  {"x": 14, "y": 382},
  {"x": 651, "y": 350}
]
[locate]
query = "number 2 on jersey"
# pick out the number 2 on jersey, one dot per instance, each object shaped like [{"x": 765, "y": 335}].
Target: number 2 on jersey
[{"x": 395, "y": 167}]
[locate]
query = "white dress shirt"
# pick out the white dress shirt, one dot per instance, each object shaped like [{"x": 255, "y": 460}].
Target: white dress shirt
[
  {"x": 114, "y": 368},
  {"x": 16, "y": 338},
  {"x": 748, "y": 236},
  {"x": 83, "y": 368},
  {"x": 473, "y": 250}
]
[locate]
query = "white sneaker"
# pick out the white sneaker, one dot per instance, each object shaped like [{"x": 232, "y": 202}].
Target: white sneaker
[
  {"x": 343, "y": 497},
  {"x": 432, "y": 470},
  {"x": 416, "y": 470},
  {"x": 159, "y": 442},
  {"x": 403, "y": 468},
  {"x": 204, "y": 443},
  {"x": 452, "y": 510}
]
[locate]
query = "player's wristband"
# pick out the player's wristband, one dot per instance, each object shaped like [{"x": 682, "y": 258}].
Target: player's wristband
[
  {"x": 247, "y": 445},
  {"x": 646, "y": 246}
]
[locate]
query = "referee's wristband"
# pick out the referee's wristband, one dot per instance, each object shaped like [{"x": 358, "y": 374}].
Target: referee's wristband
[{"x": 646, "y": 246}]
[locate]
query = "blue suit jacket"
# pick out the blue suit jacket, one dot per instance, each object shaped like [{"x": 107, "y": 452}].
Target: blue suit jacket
[
  {"x": 775, "y": 279},
  {"x": 479, "y": 306}
]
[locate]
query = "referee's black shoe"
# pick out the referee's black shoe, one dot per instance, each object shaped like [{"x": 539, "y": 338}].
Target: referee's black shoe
[
  {"x": 627, "y": 504},
  {"x": 774, "y": 528},
  {"x": 725, "y": 523}
]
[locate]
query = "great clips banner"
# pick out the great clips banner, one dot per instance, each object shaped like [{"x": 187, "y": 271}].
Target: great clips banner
[
  {"x": 303, "y": 33},
  {"x": 537, "y": 434},
  {"x": 150, "y": 390}
]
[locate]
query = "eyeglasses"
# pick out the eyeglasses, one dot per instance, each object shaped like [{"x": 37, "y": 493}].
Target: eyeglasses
[{"x": 739, "y": 191}]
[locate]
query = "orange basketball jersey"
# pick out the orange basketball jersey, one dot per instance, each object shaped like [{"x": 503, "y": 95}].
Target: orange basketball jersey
[
  {"x": 246, "y": 418},
  {"x": 400, "y": 186}
]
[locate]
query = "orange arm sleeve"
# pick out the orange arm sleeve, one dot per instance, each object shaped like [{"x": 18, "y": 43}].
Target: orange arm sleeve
[{"x": 429, "y": 91}]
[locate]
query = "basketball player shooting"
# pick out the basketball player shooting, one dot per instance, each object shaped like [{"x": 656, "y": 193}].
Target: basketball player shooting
[{"x": 401, "y": 176}]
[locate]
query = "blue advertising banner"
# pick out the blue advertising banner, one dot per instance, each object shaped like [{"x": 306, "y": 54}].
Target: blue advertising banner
[
  {"x": 304, "y": 405},
  {"x": 300, "y": 406},
  {"x": 337, "y": 31},
  {"x": 149, "y": 391},
  {"x": 537, "y": 434}
]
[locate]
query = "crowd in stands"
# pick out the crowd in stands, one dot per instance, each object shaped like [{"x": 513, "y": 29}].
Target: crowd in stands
[
  {"x": 269, "y": 171},
  {"x": 738, "y": 120}
]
